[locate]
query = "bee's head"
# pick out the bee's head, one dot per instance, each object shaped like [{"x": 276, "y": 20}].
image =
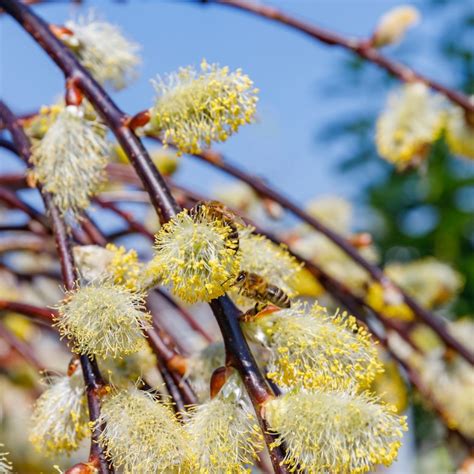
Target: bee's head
[{"x": 241, "y": 277}]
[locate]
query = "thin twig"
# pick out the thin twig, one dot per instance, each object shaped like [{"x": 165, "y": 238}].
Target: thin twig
[
  {"x": 263, "y": 189},
  {"x": 92, "y": 377},
  {"x": 224, "y": 310},
  {"x": 361, "y": 48}
]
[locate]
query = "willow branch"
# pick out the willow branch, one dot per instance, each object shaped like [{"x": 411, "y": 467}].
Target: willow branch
[
  {"x": 425, "y": 392},
  {"x": 44, "y": 315},
  {"x": 92, "y": 377},
  {"x": 263, "y": 189},
  {"x": 361, "y": 48},
  {"x": 21, "y": 348},
  {"x": 224, "y": 310}
]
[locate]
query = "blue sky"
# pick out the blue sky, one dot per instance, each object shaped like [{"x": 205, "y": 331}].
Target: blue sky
[{"x": 292, "y": 72}]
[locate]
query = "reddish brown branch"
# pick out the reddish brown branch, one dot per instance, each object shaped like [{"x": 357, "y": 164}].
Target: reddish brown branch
[
  {"x": 21, "y": 348},
  {"x": 188, "y": 317},
  {"x": 362, "y": 48},
  {"x": 45, "y": 315},
  {"x": 375, "y": 272},
  {"x": 224, "y": 310},
  {"x": 92, "y": 377}
]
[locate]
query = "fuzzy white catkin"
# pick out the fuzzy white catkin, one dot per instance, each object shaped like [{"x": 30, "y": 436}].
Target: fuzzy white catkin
[
  {"x": 70, "y": 160},
  {"x": 102, "y": 49}
]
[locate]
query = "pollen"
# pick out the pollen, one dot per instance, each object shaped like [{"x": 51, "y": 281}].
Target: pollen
[
  {"x": 225, "y": 436},
  {"x": 102, "y": 49},
  {"x": 193, "y": 257},
  {"x": 103, "y": 320},
  {"x": 60, "y": 420},
  {"x": 311, "y": 348},
  {"x": 195, "y": 108},
  {"x": 412, "y": 120},
  {"x": 142, "y": 435},
  {"x": 336, "y": 431},
  {"x": 69, "y": 161}
]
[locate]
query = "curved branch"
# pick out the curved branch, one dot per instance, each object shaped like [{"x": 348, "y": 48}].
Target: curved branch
[
  {"x": 216, "y": 160},
  {"x": 92, "y": 377},
  {"x": 224, "y": 310},
  {"x": 361, "y": 48}
]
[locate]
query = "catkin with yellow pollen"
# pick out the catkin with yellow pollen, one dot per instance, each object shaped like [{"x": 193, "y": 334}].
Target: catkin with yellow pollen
[
  {"x": 193, "y": 257},
  {"x": 312, "y": 348},
  {"x": 224, "y": 432},
  {"x": 142, "y": 435},
  {"x": 195, "y": 108},
  {"x": 459, "y": 131},
  {"x": 336, "y": 431},
  {"x": 103, "y": 320},
  {"x": 60, "y": 418},
  {"x": 70, "y": 160},
  {"x": 412, "y": 120}
]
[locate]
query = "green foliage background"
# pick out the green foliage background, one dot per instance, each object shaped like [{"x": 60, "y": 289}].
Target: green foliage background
[{"x": 425, "y": 212}]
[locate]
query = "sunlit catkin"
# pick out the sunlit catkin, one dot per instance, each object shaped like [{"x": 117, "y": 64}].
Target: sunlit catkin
[
  {"x": 69, "y": 161},
  {"x": 459, "y": 132},
  {"x": 142, "y": 435},
  {"x": 102, "y": 49},
  {"x": 60, "y": 418},
  {"x": 225, "y": 434},
  {"x": 394, "y": 24},
  {"x": 103, "y": 320},
  {"x": 412, "y": 120},
  {"x": 338, "y": 432},
  {"x": 312, "y": 348},
  {"x": 195, "y": 108},
  {"x": 193, "y": 257}
]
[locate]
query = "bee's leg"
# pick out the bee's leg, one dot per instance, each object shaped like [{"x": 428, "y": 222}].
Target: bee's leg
[{"x": 250, "y": 314}]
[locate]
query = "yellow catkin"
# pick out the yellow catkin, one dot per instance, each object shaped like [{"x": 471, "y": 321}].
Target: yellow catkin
[
  {"x": 459, "y": 132},
  {"x": 451, "y": 379},
  {"x": 338, "y": 432},
  {"x": 142, "y": 435},
  {"x": 195, "y": 108},
  {"x": 312, "y": 348},
  {"x": 412, "y": 120},
  {"x": 193, "y": 257},
  {"x": 388, "y": 302},
  {"x": 431, "y": 282},
  {"x": 225, "y": 436},
  {"x": 104, "y": 320},
  {"x": 124, "y": 267},
  {"x": 60, "y": 418}
]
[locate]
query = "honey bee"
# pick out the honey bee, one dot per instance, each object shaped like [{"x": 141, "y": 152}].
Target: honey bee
[
  {"x": 257, "y": 288},
  {"x": 218, "y": 211}
]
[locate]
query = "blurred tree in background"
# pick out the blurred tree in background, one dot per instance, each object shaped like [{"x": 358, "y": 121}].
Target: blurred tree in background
[{"x": 424, "y": 212}]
